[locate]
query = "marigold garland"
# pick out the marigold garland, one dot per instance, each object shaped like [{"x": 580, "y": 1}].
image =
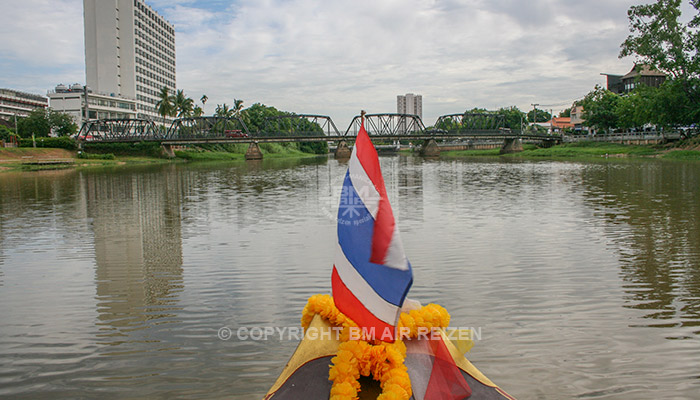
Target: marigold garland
[{"x": 383, "y": 361}]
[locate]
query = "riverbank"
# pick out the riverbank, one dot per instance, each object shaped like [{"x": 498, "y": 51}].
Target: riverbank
[
  {"x": 34, "y": 159},
  {"x": 687, "y": 151}
]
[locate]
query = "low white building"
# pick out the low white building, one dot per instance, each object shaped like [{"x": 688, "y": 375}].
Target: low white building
[
  {"x": 71, "y": 100},
  {"x": 14, "y": 103}
]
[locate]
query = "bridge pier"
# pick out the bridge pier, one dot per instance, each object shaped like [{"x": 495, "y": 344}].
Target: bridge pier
[
  {"x": 168, "y": 150},
  {"x": 342, "y": 152},
  {"x": 514, "y": 145},
  {"x": 253, "y": 152},
  {"x": 430, "y": 148}
]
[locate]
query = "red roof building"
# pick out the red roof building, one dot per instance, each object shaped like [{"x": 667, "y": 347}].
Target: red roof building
[{"x": 558, "y": 124}]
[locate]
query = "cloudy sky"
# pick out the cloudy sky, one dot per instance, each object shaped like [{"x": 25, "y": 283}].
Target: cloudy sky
[{"x": 337, "y": 57}]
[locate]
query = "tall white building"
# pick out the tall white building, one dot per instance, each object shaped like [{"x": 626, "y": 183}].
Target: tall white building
[
  {"x": 410, "y": 104},
  {"x": 129, "y": 52}
]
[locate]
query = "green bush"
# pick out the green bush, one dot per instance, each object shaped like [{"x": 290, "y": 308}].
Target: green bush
[
  {"x": 314, "y": 147},
  {"x": 683, "y": 155},
  {"x": 150, "y": 149},
  {"x": 63, "y": 142},
  {"x": 273, "y": 148},
  {"x": 89, "y": 156},
  {"x": 6, "y": 133}
]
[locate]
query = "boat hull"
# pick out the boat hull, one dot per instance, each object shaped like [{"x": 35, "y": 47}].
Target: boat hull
[{"x": 306, "y": 374}]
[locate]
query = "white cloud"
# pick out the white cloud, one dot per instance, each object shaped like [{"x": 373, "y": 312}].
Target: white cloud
[{"x": 338, "y": 57}]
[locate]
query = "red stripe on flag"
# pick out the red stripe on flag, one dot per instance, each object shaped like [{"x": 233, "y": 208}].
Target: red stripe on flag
[
  {"x": 353, "y": 308},
  {"x": 446, "y": 380},
  {"x": 384, "y": 223}
]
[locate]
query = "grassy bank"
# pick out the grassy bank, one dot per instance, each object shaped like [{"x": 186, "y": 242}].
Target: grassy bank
[
  {"x": 231, "y": 152},
  {"x": 37, "y": 159},
  {"x": 97, "y": 155},
  {"x": 590, "y": 150}
]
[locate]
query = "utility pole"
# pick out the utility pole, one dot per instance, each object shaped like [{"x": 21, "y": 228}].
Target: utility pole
[{"x": 534, "y": 108}]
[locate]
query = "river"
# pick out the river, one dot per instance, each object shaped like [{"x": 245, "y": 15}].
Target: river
[{"x": 582, "y": 278}]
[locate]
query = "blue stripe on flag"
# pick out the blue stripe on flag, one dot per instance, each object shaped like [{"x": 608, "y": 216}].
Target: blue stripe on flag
[{"x": 355, "y": 229}]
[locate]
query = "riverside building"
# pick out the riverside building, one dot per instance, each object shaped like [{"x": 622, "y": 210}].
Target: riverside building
[
  {"x": 14, "y": 103},
  {"x": 129, "y": 53},
  {"x": 71, "y": 100}
]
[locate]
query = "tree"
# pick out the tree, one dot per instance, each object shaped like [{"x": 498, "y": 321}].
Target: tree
[
  {"x": 6, "y": 133},
  {"x": 237, "y": 107},
  {"x": 635, "y": 109},
  {"x": 182, "y": 104},
  {"x": 223, "y": 110},
  {"x": 254, "y": 117},
  {"x": 542, "y": 116},
  {"x": 197, "y": 111},
  {"x": 61, "y": 124},
  {"x": 36, "y": 124},
  {"x": 513, "y": 116},
  {"x": 165, "y": 105},
  {"x": 659, "y": 39},
  {"x": 600, "y": 109},
  {"x": 204, "y": 99},
  {"x": 566, "y": 113}
]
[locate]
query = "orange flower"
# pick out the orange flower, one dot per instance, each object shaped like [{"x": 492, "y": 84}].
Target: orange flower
[{"x": 383, "y": 361}]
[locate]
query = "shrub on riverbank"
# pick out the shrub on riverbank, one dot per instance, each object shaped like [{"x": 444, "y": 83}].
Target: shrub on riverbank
[
  {"x": 88, "y": 156},
  {"x": 588, "y": 149},
  {"x": 63, "y": 142},
  {"x": 149, "y": 149},
  {"x": 682, "y": 155}
]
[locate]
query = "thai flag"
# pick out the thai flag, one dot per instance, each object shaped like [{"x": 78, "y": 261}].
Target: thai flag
[{"x": 371, "y": 275}]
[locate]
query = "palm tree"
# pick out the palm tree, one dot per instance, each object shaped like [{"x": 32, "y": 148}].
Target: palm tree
[
  {"x": 183, "y": 104},
  {"x": 204, "y": 99},
  {"x": 237, "y": 107},
  {"x": 165, "y": 105},
  {"x": 223, "y": 110},
  {"x": 197, "y": 111}
]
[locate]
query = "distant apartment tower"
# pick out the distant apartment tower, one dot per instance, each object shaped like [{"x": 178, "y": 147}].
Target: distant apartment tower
[
  {"x": 410, "y": 104},
  {"x": 129, "y": 52}
]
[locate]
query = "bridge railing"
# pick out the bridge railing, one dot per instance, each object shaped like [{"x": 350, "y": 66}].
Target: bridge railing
[
  {"x": 120, "y": 130},
  {"x": 387, "y": 125},
  {"x": 455, "y": 124},
  {"x": 207, "y": 128},
  {"x": 299, "y": 125}
]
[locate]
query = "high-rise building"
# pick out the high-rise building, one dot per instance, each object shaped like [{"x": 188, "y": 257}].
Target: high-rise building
[
  {"x": 129, "y": 52},
  {"x": 410, "y": 104}
]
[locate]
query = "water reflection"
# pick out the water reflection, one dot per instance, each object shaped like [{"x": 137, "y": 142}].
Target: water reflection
[
  {"x": 408, "y": 184},
  {"x": 114, "y": 283},
  {"x": 654, "y": 221},
  {"x": 138, "y": 249}
]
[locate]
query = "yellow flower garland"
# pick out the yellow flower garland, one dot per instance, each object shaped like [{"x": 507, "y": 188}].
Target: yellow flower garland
[{"x": 384, "y": 361}]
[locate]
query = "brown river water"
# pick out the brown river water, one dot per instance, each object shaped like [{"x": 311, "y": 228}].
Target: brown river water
[{"x": 582, "y": 279}]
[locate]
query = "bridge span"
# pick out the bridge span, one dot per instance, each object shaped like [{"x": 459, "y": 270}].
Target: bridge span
[{"x": 307, "y": 128}]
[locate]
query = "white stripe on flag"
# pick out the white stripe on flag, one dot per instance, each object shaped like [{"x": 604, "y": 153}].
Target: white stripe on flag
[
  {"x": 363, "y": 185},
  {"x": 395, "y": 255},
  {"x": 365, "y": 189},
  {"x": 359, "y": 287}
]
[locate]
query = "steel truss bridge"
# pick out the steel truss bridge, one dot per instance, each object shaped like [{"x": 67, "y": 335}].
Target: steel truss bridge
[{"x": 301, "y": 128}]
